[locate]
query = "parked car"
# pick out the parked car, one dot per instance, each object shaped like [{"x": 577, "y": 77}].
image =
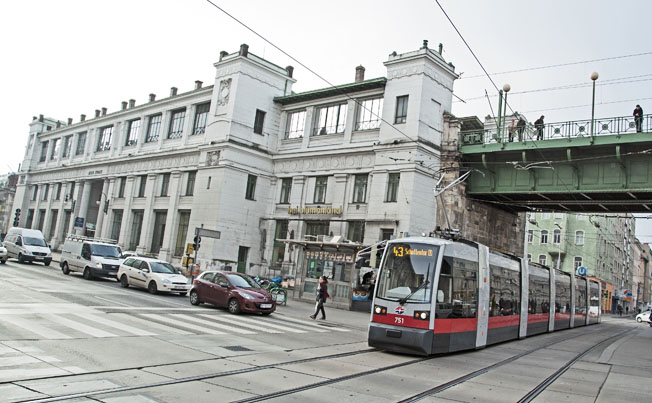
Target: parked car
[
  {"x": 3, "y": 254},
  {"x": 153, "y": 274},
  {"x": 643, "y": 317},
  {"x": 27, "y": 245},
  {"x": 235, "y": 291},
  {"x": 93, "y": 258}
]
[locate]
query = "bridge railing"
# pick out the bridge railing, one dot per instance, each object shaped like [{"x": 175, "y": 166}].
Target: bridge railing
[{"x": 559, "y": 130}]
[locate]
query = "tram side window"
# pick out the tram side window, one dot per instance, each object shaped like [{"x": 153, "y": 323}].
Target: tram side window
[
  {"x": 458, "y": 288},
  {"x": 580, "y": 297},
  {"x": 562, "y": 291},
  {"x": 505, "y": 292},
  {"x": 539, "y": 299}
]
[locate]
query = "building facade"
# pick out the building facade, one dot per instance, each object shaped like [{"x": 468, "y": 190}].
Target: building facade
[{"x": 7, "y": 194}]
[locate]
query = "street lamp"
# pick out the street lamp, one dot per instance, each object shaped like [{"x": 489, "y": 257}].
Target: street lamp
[{"x": 594, "y": 77}]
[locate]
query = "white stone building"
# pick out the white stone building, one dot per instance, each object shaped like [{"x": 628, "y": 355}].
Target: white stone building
[{"x": 249, "y": 158}]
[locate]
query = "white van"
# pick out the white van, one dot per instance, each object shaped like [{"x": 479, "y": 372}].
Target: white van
[
  {"x": 27, "y": 245},
  {"x": 91, "y": 257}
]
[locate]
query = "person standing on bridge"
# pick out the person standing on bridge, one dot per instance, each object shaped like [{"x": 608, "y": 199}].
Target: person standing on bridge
[
  {"x": 511, "y": 129},
  {"x": 520, "y": 127},
  {"x": 638, "y": 118},
  {"x": 539, "y": 125}
]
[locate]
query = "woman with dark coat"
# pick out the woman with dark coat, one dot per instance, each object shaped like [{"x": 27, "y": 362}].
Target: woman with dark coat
[{"x": 322, "y": 294}]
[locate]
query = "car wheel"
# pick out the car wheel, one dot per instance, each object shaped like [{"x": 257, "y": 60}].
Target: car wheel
[
  {"x": 639, "y": 320},
  {"x": 266, "y": 313},
  {"x": 20, "y": 258},
  {"x": 47, "y": 262},
  {"x": 65, "y": 269},
  {"x": 194, "y": 298},
  {"x": 151, "y": 287},
  {"x": 124, "y": 281},
  {"x": 234, "y": 306},
  {"x": 87, "y": 274}
]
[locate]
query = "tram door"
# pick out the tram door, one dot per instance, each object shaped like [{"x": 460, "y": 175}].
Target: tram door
[
  {"x": 580, "y": 302},
  {"x": 562, "y": 300},
  {"x": 538, "y": 300},
  {"x": 504, "y": 298},
  {"x": 594, "y": 302}
]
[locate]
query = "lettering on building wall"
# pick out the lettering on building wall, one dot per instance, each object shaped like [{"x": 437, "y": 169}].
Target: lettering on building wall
[{"x": 315, "y": 210}]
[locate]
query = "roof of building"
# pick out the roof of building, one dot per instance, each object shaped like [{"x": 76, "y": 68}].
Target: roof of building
[{"x": 332, "y": 91}]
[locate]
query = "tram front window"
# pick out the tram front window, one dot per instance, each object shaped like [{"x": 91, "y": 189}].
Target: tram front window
[{"x": 407, "y": 273}]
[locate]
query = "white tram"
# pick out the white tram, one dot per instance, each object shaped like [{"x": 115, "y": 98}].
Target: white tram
[{"x": 437, "y": 296}]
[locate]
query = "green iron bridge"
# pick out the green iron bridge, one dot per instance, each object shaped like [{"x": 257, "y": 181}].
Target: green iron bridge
[{"x": 601, "y": 165}]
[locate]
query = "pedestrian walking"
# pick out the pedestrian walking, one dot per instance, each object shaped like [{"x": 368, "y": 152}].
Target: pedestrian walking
[
  {"x": 539, "y": 125},
  {"x": 520, "y": 127},
  {"x": 620, "y": 310},
  {"x": 627, "y": 310},
  {"x": 638, "y": 118},
  {"x": 322, "y": 294}
]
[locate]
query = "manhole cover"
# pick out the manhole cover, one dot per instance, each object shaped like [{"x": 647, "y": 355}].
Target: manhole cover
[{"x": 237, "y": 348}]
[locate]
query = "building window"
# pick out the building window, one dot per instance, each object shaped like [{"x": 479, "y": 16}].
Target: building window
[
  {"x": 176, "y": 124},
  {"x": 529, "y": 258},
  {"x": 182, "y": 233},
  {"x": 296, "y": 125},
  {"x": 579, "y": 237},
  {"x": 556, "y": 236},
  {"x": 330, "y": 120},
  {"x": 558, "y": 216},
  {"x": 251, "y": 187},
  {"x": 45, "y": 192},
  {"x": 546, "y": 216},
  {"x": 577, "y": 262},
  {"x": 392, "y": 187},
  {"x": 57, "y": 193},
  {"x": 259, "y": 121},
  {"x": 165, "y": 184},
  {"x": 360, "y": 188},
  {"x": 201, "y": 117},
  {"x": 401, "y": 109},
  {"x": 386, "y": 234},
  {"x": 581, "y": 217},
  {"x": 530, "y": 236},
  {"x": 67, "y": 145},
  {"x": 34, "y": 192},
  {"x": 281, "y": 232},
  {"x": 544, "y": 236},
  {"x": 44, "y": 151},
  {"x": 321, "y": 183},
  {"x": 286, "y": 189},
  {"x": 369, "y": 114},
  {"x": 71, "y": 191},
  {"x": 190, "y": 185},
  {"x": 356, "y": 231},
  {"x": 154, "y": 128},
  {"x": 136, "y": 228},
  {"x": 134, "y": 128},
  {"x": 316, "y": 228},
  {"x": 55, "y": 148},
  {"x": 116, "y": 225},
  {"x": 81, "y": 143},
  {"x": 142, "y": 184},
  {"x": 104, "y": 141},
  {"x": 121, "y": 187},
  {"x": 542, "y": 259}
]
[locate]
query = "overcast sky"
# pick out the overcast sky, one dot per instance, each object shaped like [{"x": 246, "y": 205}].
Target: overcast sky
[{"x": 68, "y": 57}]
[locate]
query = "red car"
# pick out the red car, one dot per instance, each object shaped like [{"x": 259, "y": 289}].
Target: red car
[{"x": 235, "y": 291}]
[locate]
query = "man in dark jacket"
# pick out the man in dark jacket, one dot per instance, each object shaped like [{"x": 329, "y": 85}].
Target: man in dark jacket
[
  {"x": 520, "y": 128},
  {"x": 638, "y": 118},
  {"x": 538, "y": 124}
]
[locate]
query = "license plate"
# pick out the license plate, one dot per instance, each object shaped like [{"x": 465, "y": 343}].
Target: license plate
[{"x": 265, "y": 306}]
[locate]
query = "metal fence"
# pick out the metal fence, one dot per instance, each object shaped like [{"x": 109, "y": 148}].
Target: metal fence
[{"x": 559, "y": 130}]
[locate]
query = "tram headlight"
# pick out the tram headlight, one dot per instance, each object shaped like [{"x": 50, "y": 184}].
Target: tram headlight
[
  {"x": 421, "y": 315},
  {"x": 380, "y": 310}
]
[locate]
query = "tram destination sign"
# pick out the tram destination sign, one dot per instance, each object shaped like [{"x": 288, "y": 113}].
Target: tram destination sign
[{"x": 400, "y": 251}]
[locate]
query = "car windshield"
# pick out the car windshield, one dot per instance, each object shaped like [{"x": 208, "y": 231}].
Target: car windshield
[
  {"x": 34, "y": 241},
  {"x": 242, "y": 281},
  {"x": 162, "y": 267},
  {"x": 106, "y": 250},
  {"x": 407, "y": 272}
]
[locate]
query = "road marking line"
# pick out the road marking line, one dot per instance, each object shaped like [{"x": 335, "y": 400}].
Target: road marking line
[
  {"x": 20, "y": 360},
  {"x": 167, "y": 319},
  {"x": 116, "y": 325},
  {"x": 305, "y": 322},
  {"x": 162, "y": 329},
  {"x": 211, "y": 323},
  {"x": 273, "y": 326},
  {"x": 91, "y": 331},
  {"x": 34, "y": 327},
  {"x": 312, "y": 328},
  {"x": 237, "y": 323}
]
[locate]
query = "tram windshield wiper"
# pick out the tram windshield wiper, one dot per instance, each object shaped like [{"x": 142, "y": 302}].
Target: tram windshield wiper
[{"x": 403, "y": 300}]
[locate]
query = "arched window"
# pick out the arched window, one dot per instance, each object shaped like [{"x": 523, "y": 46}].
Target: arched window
[
  {"x": 544, "y": 236},
  {"x": 579, "y": 237},
  {"x": 556, "y": 236},
  {"x": 542, "y": 259}
]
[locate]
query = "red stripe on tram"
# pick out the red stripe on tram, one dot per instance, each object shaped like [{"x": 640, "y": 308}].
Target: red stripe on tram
[
  {"x": 401, "y": 320},
  {"x": 562, "y": 316},
  {"x": 537, "y": 317},
  {"x": 504, "y": 321},
  {"x": 456, "y": 325}
]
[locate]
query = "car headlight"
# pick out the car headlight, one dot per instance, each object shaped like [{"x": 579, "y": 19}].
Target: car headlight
[
  {"x": 98, "y": 265},
  {"x": 247, "y": 296},
  {"x": 166, "y": 281}
]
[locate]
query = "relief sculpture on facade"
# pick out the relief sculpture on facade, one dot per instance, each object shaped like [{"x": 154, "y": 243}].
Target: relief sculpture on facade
[{"x": 223, "y": 95}]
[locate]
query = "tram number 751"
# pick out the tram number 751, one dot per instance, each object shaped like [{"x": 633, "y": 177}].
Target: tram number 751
[{"x": 399, "y": 321}]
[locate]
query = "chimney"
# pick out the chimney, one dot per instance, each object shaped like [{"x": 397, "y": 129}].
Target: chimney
[
  {"x": 198, "y": 84},
  {"x": 152, "y": 97},
  {"x": 103, "y": 111},
  {"x": 223, "y": 54},
  {"x": 441, "y": 48},
  {"x": 124, "y": 105},
  {"x": 34, "y": 118},
  {"x": 244, "y": 50},
  {"x": 82, "y": 117},
  {"x": 290, "y": 71},
  {"x": 97, "y": 113},
  {"x": 359, "y": 74},
  {"x": 425, "y": 44},
  {"x": 40, "y": 118},
  {"x": 69, "y": 121},
  {"x": 132, "y": 103},
  {"x": 58, "y": 124},
  {"x": 173, "y": 91}
]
